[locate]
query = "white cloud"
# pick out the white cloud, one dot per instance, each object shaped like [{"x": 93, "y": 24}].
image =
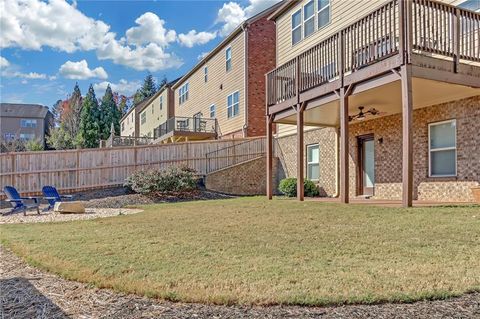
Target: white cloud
[
  {"x": 122, "y": 87},
  {"x": 34, "y": 24},
  {"x": 193, "y": 38},
  {"x": 4, "y": 62},
  {"x": 80, "y": 71},
  {"x": 150, "y": 30},
  {"x": 232, "y": 14},
  {"x": 202, "y": 55},
  {"x": 31, "y": 75}
]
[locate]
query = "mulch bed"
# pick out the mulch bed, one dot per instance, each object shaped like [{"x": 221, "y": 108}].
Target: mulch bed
[{"x": 26, "y": 292}]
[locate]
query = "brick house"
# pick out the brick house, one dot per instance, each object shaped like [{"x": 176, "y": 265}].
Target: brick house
[
  {"x": 223, "y": 95},
  {"x": 377, "y": 100}
]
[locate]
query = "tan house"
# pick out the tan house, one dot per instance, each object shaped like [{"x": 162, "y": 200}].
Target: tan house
[
  {"x": 127, "y": 123},
  {"x": 377, "y": 99},
  {"x": 24, "y": 121},
  {"x": 223, "y": 96}
]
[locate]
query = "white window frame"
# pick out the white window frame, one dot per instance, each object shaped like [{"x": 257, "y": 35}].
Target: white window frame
[
  {"x": 28, "y": 123},
  {"x": 161, "y": 102},
  {"x": 205, "y": 74},
  {"x": 430, "y": 150},
  {"x": 310, "y": 146},
  {"x": 327, "y": 7},
  {"x": 228, "y": 59},
  {"x": 304, "y": 21},
  {"x": 300, "y": 25},
  {"x": 27, "y": 136},
  {"x": 183, "y": 93},
  {"x": 143, "y": 117},
  {"x": 213, "y": 111},
  {"x": 232, "y": 107}
]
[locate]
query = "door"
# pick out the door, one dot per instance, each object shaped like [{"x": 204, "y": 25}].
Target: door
[
  {"x": 196, "y": 121},
  {"x": 366, "y": 165}
]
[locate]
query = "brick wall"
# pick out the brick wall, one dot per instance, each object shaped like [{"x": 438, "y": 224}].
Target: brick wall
[
  {"x": 286, "y": 150},
  {"x": 388, "y": 154},
  {"x": 261, "y": 59},
  {"x": 248, "y": 178}
]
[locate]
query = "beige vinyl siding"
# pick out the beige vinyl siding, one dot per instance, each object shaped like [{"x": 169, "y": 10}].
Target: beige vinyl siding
[
  {"x": 202, "y": 95},
  {"x": 128, "y": 124},
  {"x": 289, "y": 129},
  {"x": 157, "y": 117},
  {"x": 342, "y": 14}
]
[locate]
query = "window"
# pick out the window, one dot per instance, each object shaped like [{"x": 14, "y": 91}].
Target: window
[
  {"x": 27, "y": 136},
  {"x": 9, "y": 136},
  {"x": 233, "y": 104},
  {"x": 123, "y": 126},
  {"x": 205, "y": 72},
  {"x": 228, "y": 59},
  {"x": 183, "y": 94},
  {"x": 132, "y": 117},
  {"x": 212, "y": 111},
  {"x": 323, "y": 13},
  {"x": 153, "y": 108},
  {"x": 161, "y": 102},
  {"x": 313, "y": 162},
  {"x": 443, "y": 148},
  {"x": 296, "y": 27},
  {"x": 308, "y": 19},
  {"x": 29, "y": 123},
  {"x": 143, "y": 117}
]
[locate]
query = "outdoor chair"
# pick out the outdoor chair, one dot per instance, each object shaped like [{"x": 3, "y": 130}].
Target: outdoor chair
[
  {"x": 20, "y": 203},
  {"x": 51, "y": 195}
]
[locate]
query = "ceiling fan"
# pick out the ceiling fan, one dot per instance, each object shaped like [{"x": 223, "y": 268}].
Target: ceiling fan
[{"x": 363, "y": 114}]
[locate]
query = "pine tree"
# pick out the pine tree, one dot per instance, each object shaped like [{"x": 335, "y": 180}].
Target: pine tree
[
  {"x": 109, "y": 114},
  {"x": 89, "y": 134},
  {"x": 149, "y": 87}
]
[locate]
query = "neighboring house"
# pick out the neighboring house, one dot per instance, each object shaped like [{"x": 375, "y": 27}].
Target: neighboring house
[
  {"x": 156, "y": 110},
  {"x": 24, "y": 121},
  {"x": 377, "y": 98},
  {"x": 228, "y": 85},
  {"x": 127, "y": 123}
]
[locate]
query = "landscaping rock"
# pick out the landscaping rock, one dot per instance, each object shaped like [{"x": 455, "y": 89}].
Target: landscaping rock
[{"x": 69, "y": 208}]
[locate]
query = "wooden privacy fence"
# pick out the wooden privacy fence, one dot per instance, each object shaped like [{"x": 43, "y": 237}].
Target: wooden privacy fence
[{"x": 75, "y": 170}]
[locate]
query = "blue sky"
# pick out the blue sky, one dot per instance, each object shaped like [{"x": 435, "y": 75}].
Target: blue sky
[{"x": 47, "y": 46}]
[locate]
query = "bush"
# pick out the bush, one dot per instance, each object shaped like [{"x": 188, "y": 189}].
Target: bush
[
  {"x": 34, "y": 146},
  {"x": 170, "y": 180},
  {"x": 288, "y": 187}
]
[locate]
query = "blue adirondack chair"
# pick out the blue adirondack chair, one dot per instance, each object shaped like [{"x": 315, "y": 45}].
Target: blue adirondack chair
[
  {"x": 51, "y": 194},
  {"x": 20, "y": 203}
]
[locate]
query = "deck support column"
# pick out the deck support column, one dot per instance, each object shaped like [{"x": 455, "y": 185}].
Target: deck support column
[
  {"x": 407, "y": 136},
  {"x": 300, "y": 147},
  {"x": 269, "y": 156},
  {"x": 344, "y": 147}
]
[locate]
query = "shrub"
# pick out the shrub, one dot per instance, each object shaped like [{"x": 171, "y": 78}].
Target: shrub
[
  {"x": 288, "y": 187},
  {"x": 173, "y": 179}
]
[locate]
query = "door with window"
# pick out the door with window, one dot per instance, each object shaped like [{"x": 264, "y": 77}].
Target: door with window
[
  {"x": 366, "y": 156},
  {"x": 197, "y": 118}
]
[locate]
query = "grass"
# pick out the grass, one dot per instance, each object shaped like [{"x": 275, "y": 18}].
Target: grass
[{"x": 251, "y": 251}]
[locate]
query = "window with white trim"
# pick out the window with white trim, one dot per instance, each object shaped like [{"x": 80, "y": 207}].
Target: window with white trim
[
  {"x": 296, "y": 27},
  {"x": 27, "y": 136},
  {"x": 323, "y": 15},
  {"x": 212, "y": 111},
  {"x": 313, "y": 162},
  {"x": 228, "y": 59},
  {"x": 143, "y": 117},
  {"x": 205, "y": 73},
  {"x": 233, "y": 104},
  {"x": 161, "y": 102},
  {"x": 442, "y": 147},
  {"x": 308, "y": 18},
  {"x": 28, "y": 123},
  {"x": 123, "y": 126},
  {"x": 183, "y": 94}
]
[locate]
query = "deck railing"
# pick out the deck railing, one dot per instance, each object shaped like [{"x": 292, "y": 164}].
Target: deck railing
[
  {"x": 186, "y": 124},
  {"x": 397, "y": 27},
  {"x": 121, "y": 141}
]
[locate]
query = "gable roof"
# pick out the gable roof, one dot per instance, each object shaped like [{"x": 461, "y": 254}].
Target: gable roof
[
  {"x": 226, "y": 41},
  {"x": 285, "y": 5},
  {"x": 23, "y": 110}
]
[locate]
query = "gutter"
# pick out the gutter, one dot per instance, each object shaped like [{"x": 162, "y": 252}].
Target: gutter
[{"x": 245, "y": 76}]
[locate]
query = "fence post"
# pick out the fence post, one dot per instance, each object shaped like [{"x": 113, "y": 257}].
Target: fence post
[
  {"x": 77, "y": 171},
  {"x": 12, "y": 177},
  {"x": 456, "y": 39},
  {"x": 134, "y": 159}
]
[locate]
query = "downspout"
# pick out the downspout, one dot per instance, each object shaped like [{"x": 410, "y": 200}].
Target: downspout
[
  {"x": 245, "y": 65},
  {"x": 337, "y": 163}
]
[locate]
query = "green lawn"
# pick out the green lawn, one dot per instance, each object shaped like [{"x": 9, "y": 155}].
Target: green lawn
[{"x": 252, "y": 251}]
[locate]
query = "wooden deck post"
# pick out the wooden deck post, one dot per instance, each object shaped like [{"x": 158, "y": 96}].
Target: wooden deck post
[
  {"x": 407, "y": 123},
  {"x": 344, "y": 148},
  {"x": 300, "y": 161},
  {"x": 269, "y": 156}
]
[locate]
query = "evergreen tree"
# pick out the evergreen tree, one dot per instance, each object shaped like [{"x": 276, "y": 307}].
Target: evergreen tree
[
  {"x": 56, "y": 112},
  {"x": 109, "y": 114},
  {"x": 89, "y": 134},
  {"x": 149, "y": 87}
]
